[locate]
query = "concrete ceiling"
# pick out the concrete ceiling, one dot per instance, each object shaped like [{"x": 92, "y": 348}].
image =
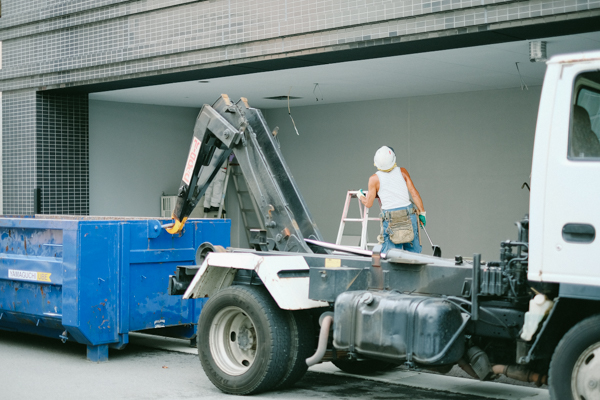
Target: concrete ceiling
[{"x": 449, "y": 71}]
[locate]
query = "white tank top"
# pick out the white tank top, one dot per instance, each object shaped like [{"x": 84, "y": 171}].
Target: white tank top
[{"x": 392, "y": 189}]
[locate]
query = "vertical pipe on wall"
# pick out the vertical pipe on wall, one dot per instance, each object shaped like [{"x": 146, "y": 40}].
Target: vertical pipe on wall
[
  {"x": 1, "y": 176},
  {"x": 37, "y": 202},
  {"x": 475, "y": 287}
]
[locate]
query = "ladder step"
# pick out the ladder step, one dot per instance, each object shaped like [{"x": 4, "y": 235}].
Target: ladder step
[
  {"x": 364, "y": 220},
  {"x": 245, "y": 210}
]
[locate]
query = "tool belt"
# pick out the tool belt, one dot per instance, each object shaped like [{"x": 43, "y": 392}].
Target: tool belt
[{"x": 399, "y": 229}]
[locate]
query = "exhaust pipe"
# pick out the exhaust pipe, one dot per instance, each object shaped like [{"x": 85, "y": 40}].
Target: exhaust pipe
[
  {"x": 520, "y": 373},
  {"x": 323, "y": 338}
]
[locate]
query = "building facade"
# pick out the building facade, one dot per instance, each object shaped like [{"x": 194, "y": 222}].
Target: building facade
[{"x": 56, "y": 52}]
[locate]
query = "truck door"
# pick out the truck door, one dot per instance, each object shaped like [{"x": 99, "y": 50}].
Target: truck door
[{"x": 571, "y": 226}]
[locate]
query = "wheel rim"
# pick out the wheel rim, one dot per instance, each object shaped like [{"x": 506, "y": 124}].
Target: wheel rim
[
  {"x": 233, "y": 341},
  {"x": 585, "y": 380}
]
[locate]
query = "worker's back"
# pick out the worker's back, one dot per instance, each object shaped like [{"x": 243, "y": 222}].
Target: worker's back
[{"x": 393, "y": 191}]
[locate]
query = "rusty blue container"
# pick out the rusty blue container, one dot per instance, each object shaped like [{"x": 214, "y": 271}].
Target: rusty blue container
[{"x": 95, "y": 280}]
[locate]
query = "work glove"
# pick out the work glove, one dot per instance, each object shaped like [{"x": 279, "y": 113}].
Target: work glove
[{"x": 422, "y": 218}]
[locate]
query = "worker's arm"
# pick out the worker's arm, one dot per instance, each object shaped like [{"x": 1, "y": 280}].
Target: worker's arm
[
  {"x": 414, "y": 193},
  {"x": 372, "y": 191}
]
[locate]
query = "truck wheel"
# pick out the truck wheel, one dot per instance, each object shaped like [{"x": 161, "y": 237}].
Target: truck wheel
[
  {"x": 303, "y": 337},
  {"x": 363, "y": 367},
  {"x": 243, "y": 340},
  {"x": 576, "y": 362}
]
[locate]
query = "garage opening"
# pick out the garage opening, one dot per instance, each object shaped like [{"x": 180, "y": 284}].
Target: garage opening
[{"x": 462, "y": 122}]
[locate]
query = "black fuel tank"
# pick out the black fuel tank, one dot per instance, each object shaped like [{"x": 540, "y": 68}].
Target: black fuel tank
[{"x": 389, "y": 325}]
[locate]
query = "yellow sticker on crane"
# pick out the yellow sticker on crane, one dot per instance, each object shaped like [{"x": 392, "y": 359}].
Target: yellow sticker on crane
[{"x": 333, "y": 263}]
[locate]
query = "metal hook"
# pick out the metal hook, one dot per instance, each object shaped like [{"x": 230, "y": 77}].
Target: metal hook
[{"x": 314, "y": 89}]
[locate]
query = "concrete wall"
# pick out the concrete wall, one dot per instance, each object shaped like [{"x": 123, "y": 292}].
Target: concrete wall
[
  {"x": 468, "y": 155},
  {"x": 137, "y": 152}
]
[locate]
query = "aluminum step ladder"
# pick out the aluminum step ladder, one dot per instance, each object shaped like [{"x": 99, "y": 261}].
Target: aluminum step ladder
[
  {"x": 248, "y": 207},
  {"x": 364, "y": 220}
]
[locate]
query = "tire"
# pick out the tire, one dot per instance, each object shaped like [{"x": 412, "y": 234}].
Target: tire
[
  {"x": 243, "y": 340},
  {"x": 303, "y": 345},
  {"x": 363, "y": 367},
  {"x": 575, "y": 363}
]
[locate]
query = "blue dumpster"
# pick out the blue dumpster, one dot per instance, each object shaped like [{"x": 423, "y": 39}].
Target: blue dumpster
[{"x": 94, "y": 280}]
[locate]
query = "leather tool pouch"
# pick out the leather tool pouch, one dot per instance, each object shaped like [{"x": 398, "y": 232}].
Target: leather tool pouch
[{"x": 400, "y": 227}]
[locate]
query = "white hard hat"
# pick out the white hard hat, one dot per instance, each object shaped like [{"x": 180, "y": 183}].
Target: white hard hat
[{"x": 385, "y": 158}]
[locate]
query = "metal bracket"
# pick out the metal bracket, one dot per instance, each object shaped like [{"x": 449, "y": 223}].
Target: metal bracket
[{"x": 154, "y": 228}]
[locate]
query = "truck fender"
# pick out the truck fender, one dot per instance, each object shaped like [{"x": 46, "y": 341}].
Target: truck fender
[{"x": 285, "y": 277}]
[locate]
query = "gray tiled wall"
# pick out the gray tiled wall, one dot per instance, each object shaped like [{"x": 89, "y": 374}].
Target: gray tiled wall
[
  {"x": 80, "y": 41},
  {"x": 18, "y": 151},
  {"x": 62, "y": 154},
  {"x": 45, "y": 146},
  {"x": 58, "y": 43}
]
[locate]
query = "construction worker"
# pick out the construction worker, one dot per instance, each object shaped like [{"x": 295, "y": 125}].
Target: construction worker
[{"x": 398, "y": 214}]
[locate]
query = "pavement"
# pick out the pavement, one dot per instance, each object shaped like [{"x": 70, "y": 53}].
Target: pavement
[
  {"x": 413, "y": 379},
  {"x": 153, "y": 367}
]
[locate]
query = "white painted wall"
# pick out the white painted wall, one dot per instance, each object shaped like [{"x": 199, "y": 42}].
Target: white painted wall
[
  {"x": 468, "y": 155},
  {"x": 137, "y": 152}
]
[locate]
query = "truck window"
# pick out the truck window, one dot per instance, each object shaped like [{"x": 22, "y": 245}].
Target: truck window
[{"x": 584, "y": 138}]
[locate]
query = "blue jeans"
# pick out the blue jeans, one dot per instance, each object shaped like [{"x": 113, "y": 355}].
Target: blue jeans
[{"x": 413, "y": 246}]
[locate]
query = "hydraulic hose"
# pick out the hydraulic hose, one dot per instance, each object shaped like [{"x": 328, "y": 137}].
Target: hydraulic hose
[{"x": 445, "y": 350}]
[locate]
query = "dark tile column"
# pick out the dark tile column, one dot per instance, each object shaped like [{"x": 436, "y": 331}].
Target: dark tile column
[
  {"x": 45, "y": 145},
  {"x": 18, "y": 151},
  {"x": 62, "y": 153}
]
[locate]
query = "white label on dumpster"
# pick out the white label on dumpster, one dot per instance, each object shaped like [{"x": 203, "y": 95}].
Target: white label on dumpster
[{"x": 29, "y": 275}]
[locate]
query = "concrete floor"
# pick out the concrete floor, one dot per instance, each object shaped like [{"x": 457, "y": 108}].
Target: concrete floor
[{"x": 33, "y": 367}]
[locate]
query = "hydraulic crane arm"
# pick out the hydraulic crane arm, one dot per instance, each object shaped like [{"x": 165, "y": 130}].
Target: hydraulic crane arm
[{"x": 227, "y": 127}]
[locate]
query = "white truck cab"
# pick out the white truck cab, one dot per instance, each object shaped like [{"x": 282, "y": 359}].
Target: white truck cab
[{"x": 565, "y": 179}]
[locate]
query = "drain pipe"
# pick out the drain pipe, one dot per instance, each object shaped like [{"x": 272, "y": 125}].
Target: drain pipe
[
  {"x": 323, "y": 338},
  {"x": 475, "y": 283}
]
